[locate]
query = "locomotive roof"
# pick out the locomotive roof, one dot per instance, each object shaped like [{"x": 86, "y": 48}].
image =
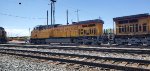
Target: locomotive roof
[
  {"x": 131, "y": 16},
  {"x": 48, "y": 25},
  {"x": 76, "y": 23},
  {"x": 90, "y": 21}
]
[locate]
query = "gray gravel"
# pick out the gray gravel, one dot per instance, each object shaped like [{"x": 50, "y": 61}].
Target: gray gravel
[
  {"x": 16, "y": 63},
  {"x": 13, "y": 63},
  {"x": 101, "y": 54}
]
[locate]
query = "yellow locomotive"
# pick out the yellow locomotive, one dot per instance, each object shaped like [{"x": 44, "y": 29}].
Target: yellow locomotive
[
  {"x": 3, "y": 38},
  {"x": 83, "y": 32},
  {"x": 133, "y": 29}
]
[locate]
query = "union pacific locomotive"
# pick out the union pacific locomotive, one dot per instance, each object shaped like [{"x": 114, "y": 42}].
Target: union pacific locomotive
[
  {"x": 3, "y": 38},
  {"x": 129, "y": 30},
  {"x": 83, "y": 32}
]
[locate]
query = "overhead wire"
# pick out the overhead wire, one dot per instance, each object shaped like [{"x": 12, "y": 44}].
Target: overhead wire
[{"x": 5, "y": 14}]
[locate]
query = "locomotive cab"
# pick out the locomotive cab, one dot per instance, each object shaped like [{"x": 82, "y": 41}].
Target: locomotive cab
[{"x": 3, "y": 38}]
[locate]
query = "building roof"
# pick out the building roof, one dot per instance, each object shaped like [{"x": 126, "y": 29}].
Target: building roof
[{"x": 131, "y": 16}]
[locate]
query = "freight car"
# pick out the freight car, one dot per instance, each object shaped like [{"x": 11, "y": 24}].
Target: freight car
[
  {"x": 3, "y": 38},
  {"x": 133, "y": 29},
  {"x": 83, "y": 32}
]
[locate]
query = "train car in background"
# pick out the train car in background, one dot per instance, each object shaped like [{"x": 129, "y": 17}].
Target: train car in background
[
  {"x": 133, "y": 29},
  {"x": 83, "y": 32},
  {"x": 3, "y": 38}
]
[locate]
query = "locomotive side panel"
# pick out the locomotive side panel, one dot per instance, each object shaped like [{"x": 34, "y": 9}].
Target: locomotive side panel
[
  {"x": 90, "y": 32},
  {"x": 145, "y": 25},
  {"x": 136, "y": 28},
  {"x": 83, "y": 30},
  {"x": 133, "y": 29},
  {"x": 99, "y": 29},
  {"x": 65, "y": 31},
  {"x": 92, "y": 29},
  {"x": 43, "y": 33}
]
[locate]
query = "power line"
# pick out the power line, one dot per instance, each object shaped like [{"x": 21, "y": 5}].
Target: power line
[
  {"x": 77, "y": 15},
  {"x": 5, "y": 14}
]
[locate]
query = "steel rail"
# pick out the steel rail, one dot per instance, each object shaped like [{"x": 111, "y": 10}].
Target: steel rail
[
  {"x": 82, "y": 62},
  {"x": 89, "y": 49},
  {"x": 77, "y": 55}
]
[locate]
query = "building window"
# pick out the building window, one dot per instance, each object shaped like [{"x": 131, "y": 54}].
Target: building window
[
  {"x": 94, "y": 31},
  {"x": 125, "y": 28},
  {"x": 131, "y": 28},
  {"x": 144, "y": 27},
  {"x": 140, "y": 28},
  {"x": 128, "y": 28},
  {"x": 90, "y": 31},
  {"x": 122, "y": 28},
  {"x": 136, "y": 27},
  {"x": 119, "y": 29}
]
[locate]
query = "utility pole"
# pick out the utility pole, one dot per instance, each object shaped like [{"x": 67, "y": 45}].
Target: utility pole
[
  {"x": 114, "y": 27},
  {"x": 51, "y": 14},
  {"x": 29, "y": 32},
  {"x": 53, "y": 11},
  {"x": 47, "y": 17},
  {"x": 77, "y": 15},
  {"x": 67, "y": 18}
]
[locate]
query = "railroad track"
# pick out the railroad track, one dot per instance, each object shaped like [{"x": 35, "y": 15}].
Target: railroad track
[
  {"x": 106, "y": 62},
  {"x": 118, "y": 46},
  {"x": 110, "y": 50}
]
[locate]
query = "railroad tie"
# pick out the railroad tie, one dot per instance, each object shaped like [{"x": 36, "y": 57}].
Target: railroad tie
[{"x": 123, "y": 63}]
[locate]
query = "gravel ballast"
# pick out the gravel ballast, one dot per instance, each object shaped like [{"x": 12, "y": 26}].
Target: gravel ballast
[
  {"x": 91, "y": 53},
  {"x": 18, "y": 63}
]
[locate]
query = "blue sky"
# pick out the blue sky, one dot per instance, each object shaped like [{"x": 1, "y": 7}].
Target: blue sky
[{"x": 17, "y": 19}]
